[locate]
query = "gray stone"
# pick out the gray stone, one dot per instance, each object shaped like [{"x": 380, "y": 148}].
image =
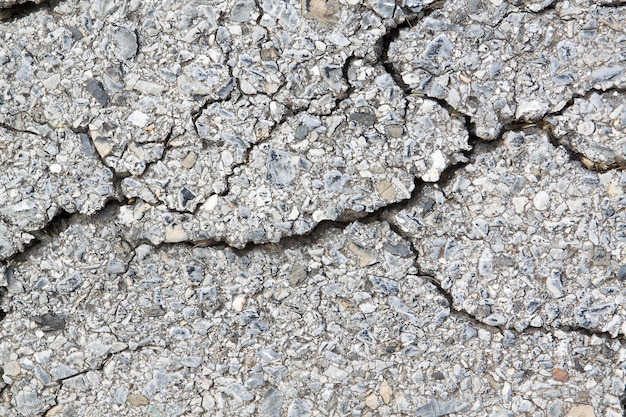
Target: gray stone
[
  {"x": 239, "y": 391},
  {"x": 183, "y": 181},
  {"x": 299, "y": 408},
  {"x": 621, "y": 273},
  {"x": 126, "y": 40},
  {"x": 272, "y": 402},
  {"x": 436, "y": 408},
  {"x": 282, "y": 168},
  {"x": 29, "y": 403},
  {"x": 98, "y": 348},
  {"x": 50, "y": 322},
  {"x": 242, "y": 10},
  {"x": 96, "y": 89},
  {"x": 63, "y": 371},
  {"x": 385, "y": 286},
  {"x": 69, "y": 284}
]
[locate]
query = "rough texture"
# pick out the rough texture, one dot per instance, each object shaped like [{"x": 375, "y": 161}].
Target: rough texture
[
  {"x": 500, "y": 64},
  {"x": 45, "y": 172},
  {"x": 524, "y": 237},
  {"x": 596, "y": 128},
  {"x": 9, "y": 3},
  {"x": 342, "y": 323},
  {"x": 312, "y": 207}
]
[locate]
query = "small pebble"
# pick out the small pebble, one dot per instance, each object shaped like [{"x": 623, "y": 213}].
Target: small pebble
[
  {"x": 541, "y": 201},
  {"x": 371, "y": 401}
]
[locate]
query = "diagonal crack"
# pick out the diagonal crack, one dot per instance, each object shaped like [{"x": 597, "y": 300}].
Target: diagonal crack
[{"x": 620, "y": 164}]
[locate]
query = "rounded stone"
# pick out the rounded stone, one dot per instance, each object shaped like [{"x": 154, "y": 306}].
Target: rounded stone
[{"x": 541, "y": 201}]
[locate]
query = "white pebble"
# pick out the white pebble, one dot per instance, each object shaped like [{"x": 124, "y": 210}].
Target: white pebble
[
  {"x": 239, "y": 302},
  {"x": 138, "y": 118},
  {"x": 541, "y": 200}
]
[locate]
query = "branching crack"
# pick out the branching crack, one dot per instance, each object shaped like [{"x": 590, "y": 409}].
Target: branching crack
[
  {"x": 64, "y": 219},
  {"x": 109, "y": 356}
]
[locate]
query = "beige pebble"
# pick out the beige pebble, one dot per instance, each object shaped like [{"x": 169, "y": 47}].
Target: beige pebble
[
  {"x": 386, "y": 190},
  {"x": 239, "y": 302},
  {"x": 190, "y": 160},
  {"x": 372, "y": 401},
  {"x": 175, "y": 234},
  {"x": 12, "y": 368},
  {"x": 465, "y": 79},
  {"x": 366, "y": 257},
  {"x": 385, "y": 391},
  {"x": 615, "y": 191},
  {"x": 137, "y": 399},
  {"x": 582, "y": 411},
  {"x": 57, "y": 410},
  {"x": 211, "y": 203},
  {"x": 322, "y": 10}
]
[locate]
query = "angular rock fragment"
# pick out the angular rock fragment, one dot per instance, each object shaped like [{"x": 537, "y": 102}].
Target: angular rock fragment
[
  {"x": 309, "y": 169},
  {"x": 42, "y": 175}
]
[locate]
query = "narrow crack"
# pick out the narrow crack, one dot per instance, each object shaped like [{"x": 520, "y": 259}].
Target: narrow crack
[
  {"x": 587, "y": 163},
  {"x": 100, "y": 368},
  {"x": 15, "y": 130},
  {"x": 64, "y": 219},
  {"x": 605, "y": 336},
  {"x": 394, "y": 31}
]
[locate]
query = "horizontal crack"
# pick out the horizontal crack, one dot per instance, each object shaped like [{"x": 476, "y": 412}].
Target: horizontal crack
[
  {"x": 60, "y": 222},
  {"x": 109, "y": 356},
  {"x": 15, "y": 130}
]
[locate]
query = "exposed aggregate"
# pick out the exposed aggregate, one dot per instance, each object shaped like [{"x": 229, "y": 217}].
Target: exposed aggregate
[{"x": 287, "y": 208}]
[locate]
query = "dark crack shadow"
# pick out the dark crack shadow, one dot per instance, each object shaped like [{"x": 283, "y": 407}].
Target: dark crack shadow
[
  {"x": 544, "y": 125},
  {"x": 97, "y": 368},
  {"x": 18, "y": 11},
  {"x": 478, "y": 146}
]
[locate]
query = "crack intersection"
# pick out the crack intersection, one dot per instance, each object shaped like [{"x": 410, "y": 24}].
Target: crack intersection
[{"x": 60, "y": 222}]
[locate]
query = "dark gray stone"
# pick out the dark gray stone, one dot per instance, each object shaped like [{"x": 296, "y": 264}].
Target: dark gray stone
[
  {"x": 96, "y": 89},
  {"x": 272, "y": 402},
  {"x": 50, "y": 322},
  {"x": 364, "y": 117}
]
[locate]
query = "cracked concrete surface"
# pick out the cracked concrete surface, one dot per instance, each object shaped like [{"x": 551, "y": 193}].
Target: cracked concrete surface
[{"x": 325, "y": 207}]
